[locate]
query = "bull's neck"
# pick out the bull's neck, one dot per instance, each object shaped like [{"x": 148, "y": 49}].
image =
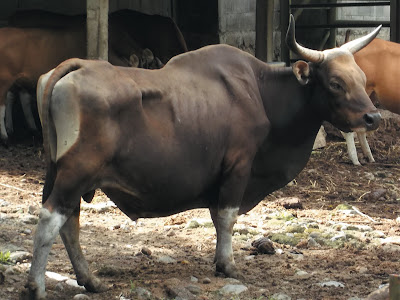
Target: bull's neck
[
  {"x": 287, "y": 103},
  {"x": 294, "y": 123}
]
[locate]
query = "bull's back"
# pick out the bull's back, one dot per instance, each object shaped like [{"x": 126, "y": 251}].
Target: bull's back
[{"x": 151, "y": 127}]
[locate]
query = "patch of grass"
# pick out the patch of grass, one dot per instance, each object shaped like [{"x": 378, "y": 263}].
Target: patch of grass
[
  {"x": 133, "y": 286},
  {"x": 295, "y": 229},
  {"x": 343, "y": 206},
  {"x": 5, "y": 257},
  {"x": 282, "y": 238},
  {"x": 282, "y": 215}
]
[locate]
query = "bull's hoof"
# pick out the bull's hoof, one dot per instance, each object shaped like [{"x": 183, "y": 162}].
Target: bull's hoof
[
  {"x": 229, "y": 271},
  {"x": 5, "y": 143},
  {"x": 94, "y": 285},
  {"x": 31, "y": 292}
]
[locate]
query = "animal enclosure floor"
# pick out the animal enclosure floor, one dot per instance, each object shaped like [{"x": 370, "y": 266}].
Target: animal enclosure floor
[{"x": 113, "y": 245}]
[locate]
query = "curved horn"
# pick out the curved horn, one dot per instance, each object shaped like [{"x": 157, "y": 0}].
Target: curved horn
[
  {"x": 305, "y": 53},
  {"x": 361, "y": 42}
]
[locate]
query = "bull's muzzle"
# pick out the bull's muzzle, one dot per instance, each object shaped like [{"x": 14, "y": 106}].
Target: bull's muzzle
[{"x": 372, "y": 120}]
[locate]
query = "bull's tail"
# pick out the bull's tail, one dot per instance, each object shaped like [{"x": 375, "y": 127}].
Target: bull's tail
[{"x": 44, "y": 92}]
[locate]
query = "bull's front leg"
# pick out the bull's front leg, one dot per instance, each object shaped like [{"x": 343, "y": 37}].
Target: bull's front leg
[
  {"x": 224, "y": 220},
  {"x": 225, "y": 215}
]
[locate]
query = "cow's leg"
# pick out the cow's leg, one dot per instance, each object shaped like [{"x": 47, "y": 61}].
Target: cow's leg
[
  {"x": 3, "y": 130},
  {"x": 6, "y": 116},
  {"x": 50, "y": 222},
  {"x": 224, "y": 220},
  {"x": 70, "y": 236},
  {"x": 56, "y": 210},
  {"x": 10, "y": 99},
  {"x": 362, "y": 137},
  {"x": 351, "y": 147},
  {"x": 26, "y": 102},
  {"x": 225, "y": 215}
]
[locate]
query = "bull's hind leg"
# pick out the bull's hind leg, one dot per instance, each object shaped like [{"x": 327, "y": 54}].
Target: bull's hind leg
[
  {"x": 47, "y": 229},
  {"x": 70, "y": 236},
  {"x": 56, "y": 210}
]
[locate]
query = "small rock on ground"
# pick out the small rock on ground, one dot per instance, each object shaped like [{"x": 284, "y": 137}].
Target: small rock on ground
[
  {"x": 331, "y": 284},
  {"x": 81, "y": 297},
  {"x": 281, "y": 296},
  {"x": 175, "y": 288},
  {"x": 235, "y": 289}
]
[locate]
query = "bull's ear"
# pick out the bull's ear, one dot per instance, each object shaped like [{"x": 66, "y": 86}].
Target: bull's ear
[{"x": 301, "y": 70}]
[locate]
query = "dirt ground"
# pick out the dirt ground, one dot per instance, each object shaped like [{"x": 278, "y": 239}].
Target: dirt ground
[{"x": 113, "y": 245}]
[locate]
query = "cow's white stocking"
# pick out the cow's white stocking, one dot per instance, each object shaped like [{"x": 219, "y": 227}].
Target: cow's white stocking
[
  {"x": 70, "y": 236},
  {"x": 47, "y": 230},
  {"x": 351, "y": 147},
  {"x": 224, "y": 219},
  {"x": 362, "y": 138}
]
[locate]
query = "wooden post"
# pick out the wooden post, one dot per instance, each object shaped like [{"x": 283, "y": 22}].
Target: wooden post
[
  {"x": 97, "y": 29},
  {"x": 395, "y": 21},
  {"x": 284, "y": 12},
  {"x": 264, "y": 29},
  {"x": 332, "y": 35}
]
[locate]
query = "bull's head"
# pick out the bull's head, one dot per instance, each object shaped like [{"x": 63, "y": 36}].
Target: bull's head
[{"x": 340, "y": 82}]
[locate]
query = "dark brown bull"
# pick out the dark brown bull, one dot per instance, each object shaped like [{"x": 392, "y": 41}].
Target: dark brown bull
[{"x": 214, "y": 128}]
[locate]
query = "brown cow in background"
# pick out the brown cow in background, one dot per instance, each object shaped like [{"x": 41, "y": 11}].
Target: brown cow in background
[
  {"x": 37, "y": 41},
  {"x": 380, "y": 61}
]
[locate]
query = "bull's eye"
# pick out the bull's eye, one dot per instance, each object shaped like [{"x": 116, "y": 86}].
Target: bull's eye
[{"x": 336, "y": 86}]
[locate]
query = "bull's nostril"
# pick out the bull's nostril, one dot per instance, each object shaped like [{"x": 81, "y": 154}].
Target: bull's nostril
[
  {"x": 372, "y": 120},
  {"x": 368, "y": 119}
]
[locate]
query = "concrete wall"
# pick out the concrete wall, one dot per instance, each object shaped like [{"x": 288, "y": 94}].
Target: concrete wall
[
  {"x": 312, "y": 38},
  {"x": 367, "y": 13},
  {"x": 277, "y": 31},
  {"x": 375, "y": 13},
  {"x": 237, "y": 23}
]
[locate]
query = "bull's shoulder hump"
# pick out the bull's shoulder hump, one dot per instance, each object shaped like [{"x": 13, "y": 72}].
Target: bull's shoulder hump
[{"x": 209, "y": 55}]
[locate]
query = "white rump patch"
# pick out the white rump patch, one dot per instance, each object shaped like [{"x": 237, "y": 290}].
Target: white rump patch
[{"x": 64, "y": 111}]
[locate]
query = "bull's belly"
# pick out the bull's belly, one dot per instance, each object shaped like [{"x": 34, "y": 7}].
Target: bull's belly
[{"x": 158, "y": 202}]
